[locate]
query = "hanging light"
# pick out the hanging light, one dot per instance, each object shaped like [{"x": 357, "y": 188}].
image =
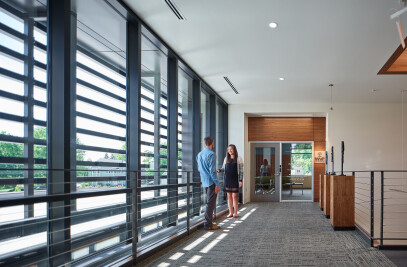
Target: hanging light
[{"x": 331, "y": 85}]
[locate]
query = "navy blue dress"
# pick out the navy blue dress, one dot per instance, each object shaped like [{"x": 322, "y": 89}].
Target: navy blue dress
[{"x": 231, "y": 180}]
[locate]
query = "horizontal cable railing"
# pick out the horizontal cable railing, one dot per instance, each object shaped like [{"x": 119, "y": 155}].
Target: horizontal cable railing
[
  {"x": 381, "y": 206},
  {"x": 94, "y": 214}
]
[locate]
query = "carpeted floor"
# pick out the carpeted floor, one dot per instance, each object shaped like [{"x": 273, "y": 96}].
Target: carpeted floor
[{"x": 272, "y": 234}]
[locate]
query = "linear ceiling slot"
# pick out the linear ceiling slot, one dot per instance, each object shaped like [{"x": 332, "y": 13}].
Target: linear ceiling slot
[
  {"x": 231, "y": 85},
  {"x": 175, "y": 9}
]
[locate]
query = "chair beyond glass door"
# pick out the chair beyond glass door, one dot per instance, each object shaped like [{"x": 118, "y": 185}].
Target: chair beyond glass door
[
  {"x": 265, "y": 172},
  {"x": 296, "y": 171}
]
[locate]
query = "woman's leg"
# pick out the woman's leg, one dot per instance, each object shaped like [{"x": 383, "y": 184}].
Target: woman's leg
[
  {"x": 235, "y": 202},
  {"x": 230, "y": 203}
]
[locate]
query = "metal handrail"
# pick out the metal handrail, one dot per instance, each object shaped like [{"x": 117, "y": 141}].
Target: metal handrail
[
  {"x": 82, "y": 170},
  {"x": 381, "y": 237},
  {"x": 134, "y": 189}
]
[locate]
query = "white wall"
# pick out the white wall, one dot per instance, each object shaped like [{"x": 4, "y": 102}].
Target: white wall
[{"x": 372, "y": 133}]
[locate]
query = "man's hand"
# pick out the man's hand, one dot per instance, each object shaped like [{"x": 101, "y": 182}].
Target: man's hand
[
  {"x": 217, "y": 189},
  {"x": 240, "y": 184},
  {"x": 218, "y": 170}
]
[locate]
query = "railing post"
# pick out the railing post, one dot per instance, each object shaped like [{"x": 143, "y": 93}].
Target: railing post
[
  {"x": 134, "y": 224},
  {"x": 381, "y": 207},
  {"x": 188, "y": 201},
  {"x": 371, "y": 208}
]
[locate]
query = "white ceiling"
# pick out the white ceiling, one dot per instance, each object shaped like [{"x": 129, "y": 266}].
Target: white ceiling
[{"x": 318, "y": 42}]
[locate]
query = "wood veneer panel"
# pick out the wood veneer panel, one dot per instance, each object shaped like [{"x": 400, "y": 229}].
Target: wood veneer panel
[
  {"x": 400, "y": 65},
  {"x": 319, "y": 146},
  {"x": 319, "y": 129},
  {"x": 342, "y": 202},
  {"x": 292, "y": 129},
  {"x": 396, "y": 63},
  {"x": 319, "y": 169},
  {"x": 280, "y": 129},
  {"x": 321, "y": 192},
  {"x": 327, "y": 192}
]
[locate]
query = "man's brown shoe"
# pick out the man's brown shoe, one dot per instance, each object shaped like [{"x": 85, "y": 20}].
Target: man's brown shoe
[{"x": 213, "y": 227}]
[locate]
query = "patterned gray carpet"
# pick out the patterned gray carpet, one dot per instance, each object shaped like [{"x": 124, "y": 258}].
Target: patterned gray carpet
[{"x": 272, "y": 234}]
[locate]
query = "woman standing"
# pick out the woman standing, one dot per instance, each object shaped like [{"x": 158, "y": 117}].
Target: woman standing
[
  {"x": 233, "y": 168},
  {"x": 265, "y": 168}
]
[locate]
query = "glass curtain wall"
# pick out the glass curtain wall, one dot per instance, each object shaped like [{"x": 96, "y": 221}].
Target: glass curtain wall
[
  {"x": 185, "y": 156},
  {"x": 153, "y": 138},
  {"x": 220, "y": 147},
  {"x": 204, "y": 118},
  {"x": 100, "y": 127},
  {"x": 23, "y": 122},
  {"x": 97, "y": 212}
]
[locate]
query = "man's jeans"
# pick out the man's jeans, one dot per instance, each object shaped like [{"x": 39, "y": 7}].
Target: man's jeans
[{"x": 210, "y": 205}]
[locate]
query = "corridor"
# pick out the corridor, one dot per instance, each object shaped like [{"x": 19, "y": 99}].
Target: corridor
[{"x": 272, "y": 234}]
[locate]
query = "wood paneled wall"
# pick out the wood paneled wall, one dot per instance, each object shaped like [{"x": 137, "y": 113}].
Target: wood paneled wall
[{"x": 292, "y": 129}]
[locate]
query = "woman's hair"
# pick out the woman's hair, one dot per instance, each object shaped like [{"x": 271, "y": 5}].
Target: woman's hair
[{"x": 228, "y": 158}]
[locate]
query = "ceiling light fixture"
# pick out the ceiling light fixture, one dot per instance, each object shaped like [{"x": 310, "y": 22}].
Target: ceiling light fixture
[
  {"x": 273, "y": 25},
  {"x": 281, "y": 79},
  {"x": 230, "y": 84},
  {"x": 331, "y": 85}
]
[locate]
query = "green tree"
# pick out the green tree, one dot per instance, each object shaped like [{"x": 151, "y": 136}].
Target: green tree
[
  {"x": 40, "y": 152},
  {"x": 121, "y": 157},
  {"x": 11, "y": 149}
]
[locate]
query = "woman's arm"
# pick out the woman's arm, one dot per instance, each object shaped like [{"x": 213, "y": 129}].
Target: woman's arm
[{"x": 223, "y": 166}]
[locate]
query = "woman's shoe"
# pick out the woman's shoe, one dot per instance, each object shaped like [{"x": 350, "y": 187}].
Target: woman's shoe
[
  {"x": 229, "y": 216},
  {"x": 236, "y": 216}
]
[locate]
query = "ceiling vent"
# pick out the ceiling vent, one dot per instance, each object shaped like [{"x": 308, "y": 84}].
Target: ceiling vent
[
  {"x": 231, "y": 85},
  {"x": 175, "y": 9}
]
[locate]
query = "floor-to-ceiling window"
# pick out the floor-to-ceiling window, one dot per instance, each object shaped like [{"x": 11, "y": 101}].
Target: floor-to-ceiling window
[
  {"x": 204, "y": 118},
  {"x": 95, "y": 218},
  {"x": 23, "y": 121},
  {"x": 185, "y": 129},
  {"x": 220, "y": 146},
  {"x": 100, "y": 127},
  {"x": 153, "y": 138}
]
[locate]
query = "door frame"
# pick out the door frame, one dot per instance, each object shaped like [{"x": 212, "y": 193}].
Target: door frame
[
  {"x": 280, "y": 163},
  {"x": 252, "y": 146},
  {"x": 312, "y": 178}
]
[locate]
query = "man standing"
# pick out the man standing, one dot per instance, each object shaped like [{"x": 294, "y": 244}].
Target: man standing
[{"x": 206, "y": 166}]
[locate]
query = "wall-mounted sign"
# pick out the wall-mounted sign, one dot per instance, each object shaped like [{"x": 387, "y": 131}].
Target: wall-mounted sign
[{"x": 319, "y": 157}]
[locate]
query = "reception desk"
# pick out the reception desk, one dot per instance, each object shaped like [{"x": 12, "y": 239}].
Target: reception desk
[
  {"x": 342, "y": 202},
  {"x": 327, "y": 193}
]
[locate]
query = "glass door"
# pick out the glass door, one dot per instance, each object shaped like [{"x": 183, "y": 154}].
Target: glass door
[
  {"x": 296, "y": 174},
  {"x": 265, "y": 172}
]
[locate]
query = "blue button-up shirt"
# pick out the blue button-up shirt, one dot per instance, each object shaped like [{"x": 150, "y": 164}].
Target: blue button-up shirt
[{"x": 206, "y": 166}]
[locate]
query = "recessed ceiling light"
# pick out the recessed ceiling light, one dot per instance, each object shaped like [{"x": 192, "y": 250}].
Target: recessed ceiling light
[
  {"x": 273, "y": 25},
  {"x": 281, "y": 79}
]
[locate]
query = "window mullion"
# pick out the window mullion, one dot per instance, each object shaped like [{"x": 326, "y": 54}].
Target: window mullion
[{"x": 29, "y": 113}]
